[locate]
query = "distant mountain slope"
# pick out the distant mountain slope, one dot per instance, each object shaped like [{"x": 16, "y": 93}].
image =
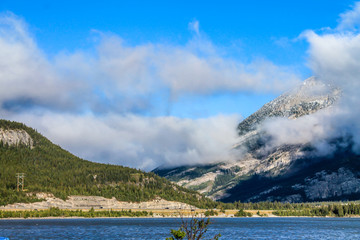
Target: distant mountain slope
[
  {"x": 285, "y": 173},
  {"x": 308, "y": 98},
  {"x": 48, "y": 168}
]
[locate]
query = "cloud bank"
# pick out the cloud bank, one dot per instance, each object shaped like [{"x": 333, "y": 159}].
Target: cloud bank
[
  {"x": 141, "y": 142},
  {"x": 350, "y": 20},
  {"x": 98, "y": 103},
  {"x": 334, "y": 57}
]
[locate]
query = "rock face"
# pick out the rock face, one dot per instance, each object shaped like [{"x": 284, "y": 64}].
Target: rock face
[
  {"x": 327, "y": 185},
  {"x": 96, "y": 202},
  {"x": 308, "y": 98},
  {"x": 15, "y": 137},
  {"x": 286, "y": 173}
]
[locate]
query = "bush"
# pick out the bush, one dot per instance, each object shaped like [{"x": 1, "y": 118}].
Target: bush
[
  {"x": 242, "y": 213},
  {"x": 211, "y": 212},
  {"x": 192, "y": 229}
]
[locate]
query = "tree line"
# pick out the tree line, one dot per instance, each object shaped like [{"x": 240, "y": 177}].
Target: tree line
[
  {"x": 335, "y": 210},
  {"x": 56, "y": 212}
]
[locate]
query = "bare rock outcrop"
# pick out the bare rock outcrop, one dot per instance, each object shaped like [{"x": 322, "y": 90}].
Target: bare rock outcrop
[
  {"x": 335, "y": 184},
  {"x": 15, "y": 137}
]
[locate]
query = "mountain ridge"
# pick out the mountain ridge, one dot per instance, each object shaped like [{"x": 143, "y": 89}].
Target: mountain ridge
[{"x": 265, "y": 175}]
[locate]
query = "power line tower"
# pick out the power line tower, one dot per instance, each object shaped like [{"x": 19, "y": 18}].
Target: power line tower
[{"x": 20, "y": 181}]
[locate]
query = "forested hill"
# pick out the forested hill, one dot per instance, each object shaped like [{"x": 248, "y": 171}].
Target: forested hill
[{"x": 49, "y": 168}]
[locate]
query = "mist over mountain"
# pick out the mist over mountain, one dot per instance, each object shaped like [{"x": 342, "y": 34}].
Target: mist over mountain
[{"x": 287, "y": 151}]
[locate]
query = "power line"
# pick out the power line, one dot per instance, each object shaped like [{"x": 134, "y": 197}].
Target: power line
[{"x": 20, "y": 181}]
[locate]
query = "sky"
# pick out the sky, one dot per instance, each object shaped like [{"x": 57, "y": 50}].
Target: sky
[{"x": 159, "y": 83}]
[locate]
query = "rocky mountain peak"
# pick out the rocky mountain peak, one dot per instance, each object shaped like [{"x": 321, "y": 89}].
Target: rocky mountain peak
[{"x": 311, "y": 96}]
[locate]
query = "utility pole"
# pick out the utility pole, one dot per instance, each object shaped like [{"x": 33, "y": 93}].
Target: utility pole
[{"x": 20, "y": 181}]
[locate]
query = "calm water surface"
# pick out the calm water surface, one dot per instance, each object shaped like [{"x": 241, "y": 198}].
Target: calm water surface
[{"x": 159, "y": 228}]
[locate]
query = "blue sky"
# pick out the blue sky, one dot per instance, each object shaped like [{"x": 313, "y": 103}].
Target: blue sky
[
  {"x": 67, "y": 24},
  {"x": 243, "y": 30},
  {"x": 181, "y": 66}
]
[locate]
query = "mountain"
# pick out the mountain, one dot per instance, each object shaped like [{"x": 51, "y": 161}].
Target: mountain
[
  {"x": 289, "y": 172},
  {"x": 50, "y": 169}
]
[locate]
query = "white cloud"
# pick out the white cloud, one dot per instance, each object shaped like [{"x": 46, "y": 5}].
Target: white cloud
[
  {"x": 318, "y": 129},
  {"x": 25, "y": 74},
  {"x": 350, "y": 20},
  {"x": 141, "y": 142},
  {"x": 89, "y": 102},
  {"x": 196, "y": 68},
  {"x": 334, "y": 58},
  {"x": 194, "y": 26},
  {"x": 183, "y": 71},
  {"x": 118, "y": 71}
]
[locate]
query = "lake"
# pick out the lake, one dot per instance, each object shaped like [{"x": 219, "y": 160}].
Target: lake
[{"x": 159, "y": 228}]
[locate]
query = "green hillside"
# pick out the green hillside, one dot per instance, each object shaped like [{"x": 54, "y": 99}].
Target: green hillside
[{"x": 49, "y": 168}]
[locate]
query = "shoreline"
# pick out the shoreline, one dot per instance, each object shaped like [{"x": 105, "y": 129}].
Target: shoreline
[
  {"x": 99, "y": 213},
  {"x": 169, "y": 217}
]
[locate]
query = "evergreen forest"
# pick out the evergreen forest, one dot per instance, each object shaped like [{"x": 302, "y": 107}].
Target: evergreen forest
[{"x": 49, "y": 168}]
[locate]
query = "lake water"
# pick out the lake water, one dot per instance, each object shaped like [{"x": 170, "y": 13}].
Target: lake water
[{"x": 159, "y": 228}]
